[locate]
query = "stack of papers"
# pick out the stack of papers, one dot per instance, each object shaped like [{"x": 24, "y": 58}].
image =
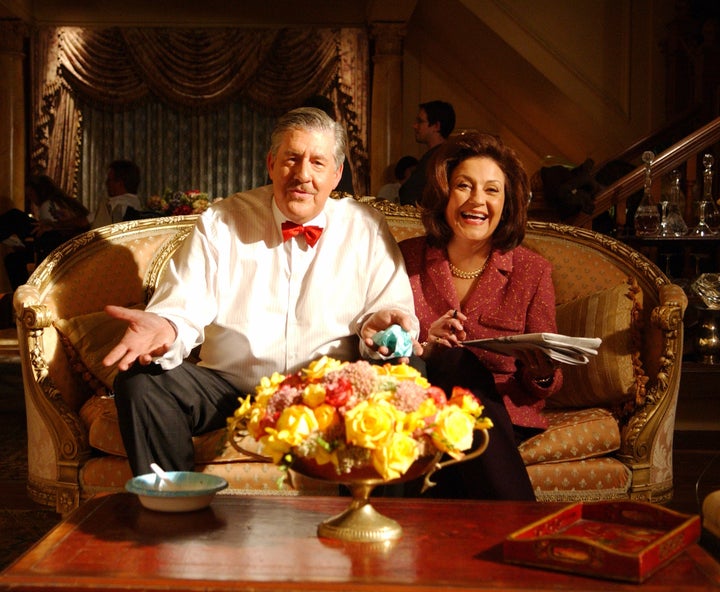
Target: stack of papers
[{"x": 561, "y": 348}]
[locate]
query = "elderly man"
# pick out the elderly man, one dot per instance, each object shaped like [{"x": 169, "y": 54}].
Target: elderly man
[{"x": 267, "y": 281}]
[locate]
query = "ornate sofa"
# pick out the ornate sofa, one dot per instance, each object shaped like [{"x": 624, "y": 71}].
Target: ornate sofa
[{"x": 603, "y": 443}]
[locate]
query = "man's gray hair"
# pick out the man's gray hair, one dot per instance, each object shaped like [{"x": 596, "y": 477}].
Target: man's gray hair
[{"x": 312, "y": 119}]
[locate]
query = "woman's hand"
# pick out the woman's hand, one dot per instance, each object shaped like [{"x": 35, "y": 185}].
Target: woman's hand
[
  {"x": 538, "y": 366},
  {"x": 447, "y": 331}
]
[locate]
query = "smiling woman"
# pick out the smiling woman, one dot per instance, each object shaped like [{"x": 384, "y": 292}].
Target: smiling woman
[{"x": 471, "y": 278}]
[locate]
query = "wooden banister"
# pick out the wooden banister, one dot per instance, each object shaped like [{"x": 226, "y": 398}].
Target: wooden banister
[{"x": 672, "y": 158}]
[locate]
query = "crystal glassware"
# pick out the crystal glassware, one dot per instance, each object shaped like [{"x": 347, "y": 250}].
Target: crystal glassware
[
  {"x": 708, "y": 215},
  {"x": 647, "y": 216},
  {"x": 707, "y": 333},
  {"x": 672, "y": 222}
]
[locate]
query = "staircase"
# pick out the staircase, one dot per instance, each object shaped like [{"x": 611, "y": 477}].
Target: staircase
[{"x": 685, "y": 154}]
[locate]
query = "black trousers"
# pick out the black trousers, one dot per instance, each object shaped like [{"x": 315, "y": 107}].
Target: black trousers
[
  {"x": 159, "y": 411},
  {"x": 499, "y": 473}
]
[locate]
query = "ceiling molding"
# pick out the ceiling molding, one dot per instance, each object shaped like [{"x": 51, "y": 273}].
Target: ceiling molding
[{"x": 209, "y": 13}]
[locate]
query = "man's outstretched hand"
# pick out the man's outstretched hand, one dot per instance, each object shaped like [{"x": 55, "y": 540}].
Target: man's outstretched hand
[{"x": 148, "y": 335}]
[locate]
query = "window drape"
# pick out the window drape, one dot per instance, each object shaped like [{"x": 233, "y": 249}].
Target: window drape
[
  {"x": 219, "y": 151},
  {"x": 192, "y": 106}
]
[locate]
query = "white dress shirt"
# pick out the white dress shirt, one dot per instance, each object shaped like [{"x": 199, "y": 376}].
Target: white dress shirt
[
  {"x": 259, "y": 305},
  {"x": 112, "y": 209}
]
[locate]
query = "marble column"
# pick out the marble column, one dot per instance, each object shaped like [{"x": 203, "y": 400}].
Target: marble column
[
  {"x": 386, "y": 106},
  {"x": 12, "y": 112}
]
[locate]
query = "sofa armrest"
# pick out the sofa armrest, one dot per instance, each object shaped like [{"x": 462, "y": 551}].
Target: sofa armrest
[
  {"x": 672, "y": 294},
  {"x": 647, "y": 434},
  {"x": 57, "y": 441}
]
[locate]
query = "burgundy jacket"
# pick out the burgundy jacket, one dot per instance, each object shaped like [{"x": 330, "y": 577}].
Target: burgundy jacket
[{"x": 514, "y": 295}]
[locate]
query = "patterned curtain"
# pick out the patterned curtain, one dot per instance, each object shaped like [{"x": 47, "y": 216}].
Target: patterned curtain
[
  {"x": 219, "y": 151},
  {"x": 192, "y": 107}
]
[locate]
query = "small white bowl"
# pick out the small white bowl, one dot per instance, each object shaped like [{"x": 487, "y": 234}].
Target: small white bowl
[{"x": 184, "y": 491}]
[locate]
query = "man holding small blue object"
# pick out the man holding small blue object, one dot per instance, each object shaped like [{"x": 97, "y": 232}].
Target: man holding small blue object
[
  {"x": 398, "y": 341},
  {"x": 267, "y": 281}
]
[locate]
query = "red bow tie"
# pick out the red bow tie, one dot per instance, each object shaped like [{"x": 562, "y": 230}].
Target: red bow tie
[{"x": 312, "y": 233}]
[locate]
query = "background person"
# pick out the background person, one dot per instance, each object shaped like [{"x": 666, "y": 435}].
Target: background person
[
  {"x": 257, "y": 302},
  {"x": 472, "y": 279},
  {"x": 122, "y": 183},
  {"x": 55, "y": 218},
  {"x": 403, "y": 169},
  {"x": 434, "y": 123}
]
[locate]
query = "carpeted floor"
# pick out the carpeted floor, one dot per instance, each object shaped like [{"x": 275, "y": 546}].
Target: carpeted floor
[{"x": 22, "y": 521}]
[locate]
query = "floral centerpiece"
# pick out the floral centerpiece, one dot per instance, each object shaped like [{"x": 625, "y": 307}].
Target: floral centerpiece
[
  {"x": 179, "y": 203},
  {"x": 358, "y": 415}
]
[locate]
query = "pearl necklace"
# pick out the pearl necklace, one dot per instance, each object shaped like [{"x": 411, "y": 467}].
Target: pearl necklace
[{"x": 467, "y": 275}]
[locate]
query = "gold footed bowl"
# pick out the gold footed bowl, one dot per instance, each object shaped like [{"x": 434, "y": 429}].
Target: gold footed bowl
[{"x": 360, "y": 522}]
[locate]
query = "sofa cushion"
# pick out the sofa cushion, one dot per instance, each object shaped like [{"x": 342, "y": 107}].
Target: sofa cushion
[
  {"x": 615, "y": 376},
  {"x": 591, "y": 479},
  {"x": 87, "y": 339},
  {"x": 573, "y": 434}
]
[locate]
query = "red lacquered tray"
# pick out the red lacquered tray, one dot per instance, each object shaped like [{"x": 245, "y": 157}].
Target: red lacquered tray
[{"x": 617, "y": 540}]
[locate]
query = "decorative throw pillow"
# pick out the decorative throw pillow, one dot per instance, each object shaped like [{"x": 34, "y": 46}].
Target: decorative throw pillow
[
  {"x": 87, "y": 339},
  {"x": 99, "y": 416},
  {"x": 572, "y": 434},
  {"x": 615, "y": 376}
]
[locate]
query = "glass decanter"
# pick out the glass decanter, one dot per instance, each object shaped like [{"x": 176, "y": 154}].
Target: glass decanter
[
  {"x": 708, "y": 215},
  {"x": 647, "y": 216},
  {"x": 672, "y": 222}
]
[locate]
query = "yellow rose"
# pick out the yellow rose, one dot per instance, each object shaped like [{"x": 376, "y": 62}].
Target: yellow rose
[
  {"x": 326, "y": 416},
  {"x": 464, "y": 399},
  {"x": 370, "y": 423},
  {"x": 268, "y": 386},
  {"x": 319, "y": 368},
  {"x": 381, "y": 396},
  {"x": 295, "y": 424},
  {"x": 244, "y": 409},
  {"x": 313, "y": 395},
  {"x": 412, "y": 422},
  {"x": 394, "y": 458},
  {"x": 453, "y": 431},
  {"x": 422, "y": 382},
  {"x": 274, "y": 446},
  {"x": 256, "y": 416},
  {"x": 401, "y": 371}
]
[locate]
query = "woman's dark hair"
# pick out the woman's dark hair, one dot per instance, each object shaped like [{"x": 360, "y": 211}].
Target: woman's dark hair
[
  {"x": 511, "y": 230},
  {"x": 46, "y": 189}
]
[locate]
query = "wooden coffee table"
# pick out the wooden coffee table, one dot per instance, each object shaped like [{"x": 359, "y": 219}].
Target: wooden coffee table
[{"x": 270, "y": 543}]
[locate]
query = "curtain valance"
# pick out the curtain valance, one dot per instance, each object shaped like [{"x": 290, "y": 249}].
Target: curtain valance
[
  {"x": 270, "y": 70},
  {"x": 274, "y": 70}
]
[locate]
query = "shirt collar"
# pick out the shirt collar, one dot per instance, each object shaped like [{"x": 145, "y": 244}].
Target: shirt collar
[{"x": 278, "y": 217}]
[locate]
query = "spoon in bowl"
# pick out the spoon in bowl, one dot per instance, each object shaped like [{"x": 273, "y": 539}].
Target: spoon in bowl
[{"x": 165, "y": 481}]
